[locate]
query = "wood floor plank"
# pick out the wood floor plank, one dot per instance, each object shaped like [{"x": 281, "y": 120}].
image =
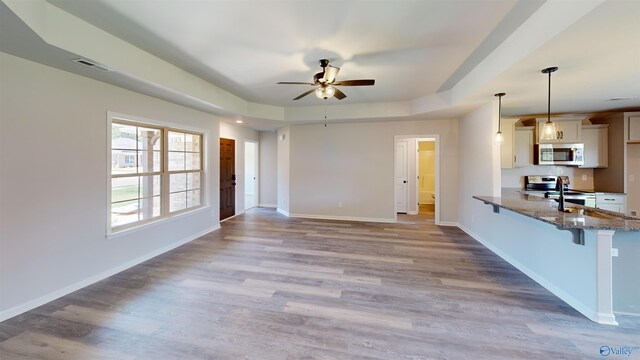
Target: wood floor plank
[
  {"x": 236, "y": 289},
  {"x": 341, "y": 255},
  {"x": 253, "y": 239},
  {"x": 356, "y": 316},
  {"x": 304, "y": 267},
  {"x": 289, "y": 287}
]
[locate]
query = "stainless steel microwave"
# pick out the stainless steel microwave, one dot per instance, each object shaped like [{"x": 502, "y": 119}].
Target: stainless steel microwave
[{"x": 558, "y": 154}]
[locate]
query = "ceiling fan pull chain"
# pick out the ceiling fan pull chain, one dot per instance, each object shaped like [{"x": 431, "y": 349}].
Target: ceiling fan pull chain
[{"x": 325, "y": 112}]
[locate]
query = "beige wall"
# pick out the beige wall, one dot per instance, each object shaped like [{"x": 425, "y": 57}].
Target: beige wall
[
  {"x": 352, "y": 164},
  {"x": 53, "y": 190},
  {"x": 268, "y": 169},
  {"x": 284, "y": 171},
  {"x": 514, "y": 178}
]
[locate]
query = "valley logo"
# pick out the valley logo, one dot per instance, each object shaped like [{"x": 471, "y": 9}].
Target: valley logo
[{"x": 620, "y": 350}]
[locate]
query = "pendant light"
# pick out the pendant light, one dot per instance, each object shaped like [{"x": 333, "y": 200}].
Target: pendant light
[
  {"x": 499, "y": 133},
  {"x": 549, "y": 128}
]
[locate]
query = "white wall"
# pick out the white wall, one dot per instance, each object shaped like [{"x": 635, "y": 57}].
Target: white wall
[
  {"x": 53, "y": 161},
  {"x": 284, "y": 171},
  {"x": 239, "y": 134},
  {"x": 352, "y": 164},
  {"x": 478, "y": 162},
  {"x": 268, "y": 169}
]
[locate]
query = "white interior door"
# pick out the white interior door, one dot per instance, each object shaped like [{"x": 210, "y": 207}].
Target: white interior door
[
  {"x": 401, "y": 175},
  {"x": 250, "y": 171}
]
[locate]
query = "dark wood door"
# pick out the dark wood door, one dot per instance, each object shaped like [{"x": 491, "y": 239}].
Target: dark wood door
[{"x": 227, "y": 178}]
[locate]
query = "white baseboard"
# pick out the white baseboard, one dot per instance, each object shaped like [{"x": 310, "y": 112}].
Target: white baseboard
[
  {"x": 343, "y": 218},
  {"x": 268, "y": 205},
  {"x": 448, "y": 223},
  {"x": 285, "y": 213},
  {"x": 593, "y": 315},
  {"x": 625, "y": 313},
  {"x": 32, "y": 304}
]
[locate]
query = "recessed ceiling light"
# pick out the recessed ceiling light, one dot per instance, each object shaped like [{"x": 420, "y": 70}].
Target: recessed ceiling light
[
  {"x": 239, "y": 121},
  {"x": 625, "y": 98}
]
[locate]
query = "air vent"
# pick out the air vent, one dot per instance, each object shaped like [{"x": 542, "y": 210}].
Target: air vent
[
  {"x": 91, "y": 64},
  {"x": 625, "y": 98}
]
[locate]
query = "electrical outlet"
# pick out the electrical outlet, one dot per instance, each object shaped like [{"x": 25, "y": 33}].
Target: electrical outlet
[
  {"x": 633, "y": 212},
  {"x": 632, "y": 178},
  {"x": 340, "y": 204},
  {"x": 584, "y": 177},
  {"x": 614, "y": 252}
]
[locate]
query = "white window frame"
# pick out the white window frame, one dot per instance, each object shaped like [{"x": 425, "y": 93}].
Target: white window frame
[{"x": 165, "y": 214}]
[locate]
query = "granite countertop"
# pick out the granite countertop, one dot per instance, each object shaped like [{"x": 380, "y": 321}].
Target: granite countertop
[{"x": 540, "y": 208}]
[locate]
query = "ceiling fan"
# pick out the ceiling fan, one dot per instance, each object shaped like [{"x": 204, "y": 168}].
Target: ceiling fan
[{"x": 325, "y": 83}]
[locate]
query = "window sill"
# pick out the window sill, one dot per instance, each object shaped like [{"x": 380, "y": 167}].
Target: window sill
[{"x": 151, "y": 224}]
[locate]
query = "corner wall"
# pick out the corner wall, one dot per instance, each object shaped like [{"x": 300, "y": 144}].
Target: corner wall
[{"x": 53, "y": 161}]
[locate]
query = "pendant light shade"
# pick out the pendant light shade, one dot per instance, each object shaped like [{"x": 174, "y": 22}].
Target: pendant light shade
[
  {"x": 549, "y": 128},
  {"x": 499, "y": 137}
]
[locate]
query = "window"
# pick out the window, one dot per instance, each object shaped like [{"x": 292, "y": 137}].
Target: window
[{"x": 156, "y": 172}]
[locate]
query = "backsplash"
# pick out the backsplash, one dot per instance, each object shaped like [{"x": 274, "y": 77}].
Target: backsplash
[{"x": 513, "y": 178}]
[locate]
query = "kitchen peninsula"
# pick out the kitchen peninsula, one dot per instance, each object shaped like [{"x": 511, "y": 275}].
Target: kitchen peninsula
[{"x": 587, "y": 257}]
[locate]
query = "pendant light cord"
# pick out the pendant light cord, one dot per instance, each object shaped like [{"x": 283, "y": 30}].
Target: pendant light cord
[{"x": 549, "y": 100}]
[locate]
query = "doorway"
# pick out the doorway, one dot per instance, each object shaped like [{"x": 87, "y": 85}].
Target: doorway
[
  {"x": 250, "y": 171},
  {"x": 227, "y": 178},
  {"x": 416, "y": 187},
  {"x": 426, "y": 177}
]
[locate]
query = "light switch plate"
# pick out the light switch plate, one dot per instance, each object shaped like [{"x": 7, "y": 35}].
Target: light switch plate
[
  {"x": 584, "y": 177},
  {"x": 614, "y": 252}
]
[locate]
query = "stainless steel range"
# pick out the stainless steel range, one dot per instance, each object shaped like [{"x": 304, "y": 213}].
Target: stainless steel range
[{"x": 545, "y": 185}]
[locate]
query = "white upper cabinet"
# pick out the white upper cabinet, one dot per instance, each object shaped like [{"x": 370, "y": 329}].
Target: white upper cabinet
[
  {"x": 507, "y": 148},
  {"x": 596, "y": 142},
  {"x": 634, "y": 128},
  {"x": 567, "y": 131},
  {"x": 524, "y": 146}
]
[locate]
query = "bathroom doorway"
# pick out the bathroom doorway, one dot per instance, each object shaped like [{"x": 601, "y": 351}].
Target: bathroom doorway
[{"x": 426, "y": 170}]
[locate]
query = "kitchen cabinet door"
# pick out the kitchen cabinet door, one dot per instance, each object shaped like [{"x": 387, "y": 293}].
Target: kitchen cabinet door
[
  {"x": 524, "y": 146},
  {"x": 567, "y": 131},
  {"x": 634, "y": 128},
  {"x": 507, "y": 147},
  {"x": 596, "y": 140}
]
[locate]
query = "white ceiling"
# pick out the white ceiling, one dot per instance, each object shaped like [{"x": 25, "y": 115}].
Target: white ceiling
[
  {"x": 409, "y": 47},
  {"x": 430, "y": 58}
]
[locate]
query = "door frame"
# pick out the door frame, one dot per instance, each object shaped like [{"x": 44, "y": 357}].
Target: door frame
[
  {"x": 415, "y": 138},
  {"x": 256, "y": 171}
]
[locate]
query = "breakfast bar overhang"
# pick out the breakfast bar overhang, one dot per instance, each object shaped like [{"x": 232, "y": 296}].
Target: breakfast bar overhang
[{"x": 569, "y": 253}]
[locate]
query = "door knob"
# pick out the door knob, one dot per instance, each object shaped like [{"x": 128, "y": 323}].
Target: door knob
[{"x": 405, "y": 181}]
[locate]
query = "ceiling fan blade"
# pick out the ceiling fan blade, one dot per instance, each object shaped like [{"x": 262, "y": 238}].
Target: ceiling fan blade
[
  {"x": 364, "y": 82},
  {"x": 339, "y": 94},
  {"x": 304, "y": 94},
  {"x": 295, "y": 83},
  {"x": 330, "y": 73}
]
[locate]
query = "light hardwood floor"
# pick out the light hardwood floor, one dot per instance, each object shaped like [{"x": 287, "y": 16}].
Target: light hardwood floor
[{"x": 269, "y": 287}]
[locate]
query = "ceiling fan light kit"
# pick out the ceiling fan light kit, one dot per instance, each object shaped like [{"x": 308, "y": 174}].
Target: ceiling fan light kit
[{"x": 325, "y": 82}]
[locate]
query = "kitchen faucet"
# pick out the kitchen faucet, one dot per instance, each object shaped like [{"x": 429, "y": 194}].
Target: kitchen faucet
[{"x": 560, "y": 187}]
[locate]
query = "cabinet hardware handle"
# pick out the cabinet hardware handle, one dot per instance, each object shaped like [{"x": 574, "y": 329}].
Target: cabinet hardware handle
[{"x": 609, "y": 199}]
